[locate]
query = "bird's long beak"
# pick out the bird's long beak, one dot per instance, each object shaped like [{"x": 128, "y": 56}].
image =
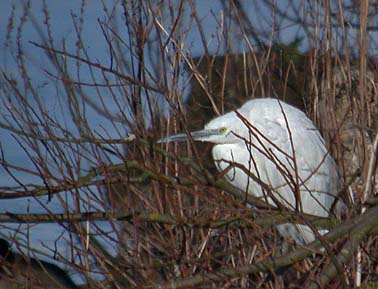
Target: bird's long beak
[{"x": 200, "y": 135}]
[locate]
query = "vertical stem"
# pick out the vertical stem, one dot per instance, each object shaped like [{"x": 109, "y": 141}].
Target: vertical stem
[{"x": 364, "y": 5}]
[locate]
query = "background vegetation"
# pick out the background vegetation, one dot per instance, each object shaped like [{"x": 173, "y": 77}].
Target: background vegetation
[{"x": 171, "y": 220}]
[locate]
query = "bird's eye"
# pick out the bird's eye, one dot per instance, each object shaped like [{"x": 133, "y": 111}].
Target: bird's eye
[{"x": 223, "y": 130}]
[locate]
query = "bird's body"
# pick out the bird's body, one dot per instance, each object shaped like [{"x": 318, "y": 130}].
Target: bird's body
[
  {"x": 268, "y": 141},
  {"x": 279, "y": 141}
]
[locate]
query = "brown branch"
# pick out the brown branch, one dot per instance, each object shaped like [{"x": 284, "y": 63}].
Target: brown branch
[
  {"x": 128, "y": 79},
  {"x": 363, "y": 227},
  {"x": 244, "y": 220},
  {"x": 358, "y": 228},
  {"x": 82, "y": 217},
  {"x": 77, "y": 140}
]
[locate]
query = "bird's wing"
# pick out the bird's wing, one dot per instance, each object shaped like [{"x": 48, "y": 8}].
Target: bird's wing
[{"x": 296, "y": 149}]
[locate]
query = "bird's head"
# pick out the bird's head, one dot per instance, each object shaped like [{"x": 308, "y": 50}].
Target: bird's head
[{"x": 225, "y": 129}]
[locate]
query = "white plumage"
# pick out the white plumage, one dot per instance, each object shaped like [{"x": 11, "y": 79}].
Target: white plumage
[{"x": 276, "y": 143}]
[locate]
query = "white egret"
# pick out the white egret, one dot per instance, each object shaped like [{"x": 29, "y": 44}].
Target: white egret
[{"x": 270, "y": 141}]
